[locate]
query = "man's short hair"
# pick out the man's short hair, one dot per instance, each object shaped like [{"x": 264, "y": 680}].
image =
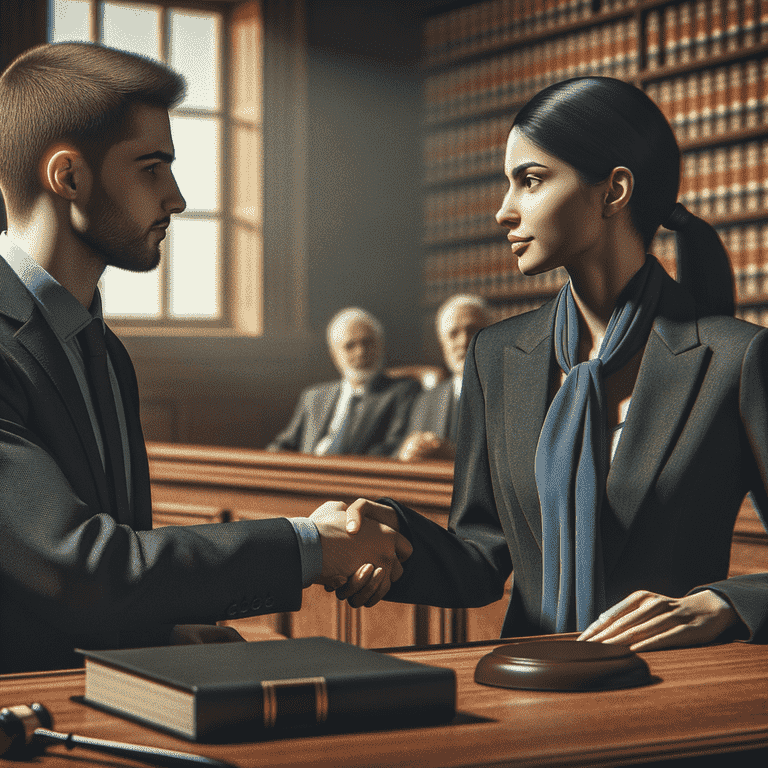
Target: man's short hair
[
  {"x": 80, "y": 93},
  {"x": 354, "y": 313},
  {"x": 460, "y": 300}
]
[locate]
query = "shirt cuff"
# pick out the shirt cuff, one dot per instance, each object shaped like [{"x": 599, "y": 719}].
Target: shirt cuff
[{"x": 310, "y": 549}]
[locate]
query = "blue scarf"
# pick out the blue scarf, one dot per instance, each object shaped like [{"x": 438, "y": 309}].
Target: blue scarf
[{"x": 572, "y": 459}]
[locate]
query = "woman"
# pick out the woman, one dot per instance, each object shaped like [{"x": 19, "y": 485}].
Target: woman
[{"x": 607, "y": 439}]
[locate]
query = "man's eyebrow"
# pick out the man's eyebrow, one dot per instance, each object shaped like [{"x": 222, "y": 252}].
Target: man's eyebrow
[
  {"x": 525, "y": 166},
  {"x": 158, "y": 155}
]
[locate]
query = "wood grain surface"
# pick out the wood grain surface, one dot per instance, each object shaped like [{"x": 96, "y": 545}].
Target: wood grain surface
[{"x": 706, "y": 701}]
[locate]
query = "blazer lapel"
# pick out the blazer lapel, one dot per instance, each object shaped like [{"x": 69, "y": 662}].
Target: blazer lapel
[
  {"x": 527, "y": 374},
  {"x": 40, "y": 341},
  {"x": 670, "y": 374},
  {"x": 320, "y": 414}
]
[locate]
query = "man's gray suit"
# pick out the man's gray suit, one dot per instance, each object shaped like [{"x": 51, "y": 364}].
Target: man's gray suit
[
  {"x": 71, "y": 575},
  {"x": 378, "y": 426},
  {"x": 694, "y": 443}
]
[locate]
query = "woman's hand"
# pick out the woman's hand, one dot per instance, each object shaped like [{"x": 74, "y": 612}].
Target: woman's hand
[{"x": 646, "y": 621}]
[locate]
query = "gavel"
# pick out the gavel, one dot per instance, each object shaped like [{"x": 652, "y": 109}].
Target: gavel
[{"x": 27, "y": 728}]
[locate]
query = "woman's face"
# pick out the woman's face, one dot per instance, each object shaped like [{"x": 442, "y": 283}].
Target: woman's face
[{"x": 554, "y": 218}]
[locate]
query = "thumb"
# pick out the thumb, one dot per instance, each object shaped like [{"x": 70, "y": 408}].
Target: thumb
[{"x": 373, "y": 511}]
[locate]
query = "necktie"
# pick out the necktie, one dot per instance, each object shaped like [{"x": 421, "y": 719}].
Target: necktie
[
  {"x": 337, "y": 444},
  {"x": 571, "y": 463},
  {"x": 95, "y": 357}
]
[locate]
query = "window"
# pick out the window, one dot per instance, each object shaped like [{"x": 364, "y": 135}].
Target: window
[{"x": 210, "y": 276}]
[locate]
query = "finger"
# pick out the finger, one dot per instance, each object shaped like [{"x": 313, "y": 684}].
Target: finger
[
  {"x": 358, "y": 581},
  {"x": 373, "y": 511},
  {"x": 647, "y": 614},
  {"x": 380, "y": 593},
  {"x": 355, "y": 516},
  {"x": 607, "y": 618},
  {"x": 642, "y": 630},
  {"x": 368, "y": 591},
  {"x": 674, "y": 637},
  {"x": 403, "y": 548}
]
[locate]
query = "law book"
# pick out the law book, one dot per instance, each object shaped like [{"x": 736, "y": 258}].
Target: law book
[{"x": 228, "y": 691}]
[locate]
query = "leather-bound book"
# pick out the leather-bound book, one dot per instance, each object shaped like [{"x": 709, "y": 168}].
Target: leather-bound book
[{"x": 244, "y": 691}]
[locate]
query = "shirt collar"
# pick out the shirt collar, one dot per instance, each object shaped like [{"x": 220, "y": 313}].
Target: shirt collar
[{"x": 65, "y": 314}]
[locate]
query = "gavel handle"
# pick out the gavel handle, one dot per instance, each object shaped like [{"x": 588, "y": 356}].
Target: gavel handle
[{"x": 153, "y": 755}]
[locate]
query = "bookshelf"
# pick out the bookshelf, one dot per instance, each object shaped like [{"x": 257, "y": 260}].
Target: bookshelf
[{"x": 704, "y": 62}]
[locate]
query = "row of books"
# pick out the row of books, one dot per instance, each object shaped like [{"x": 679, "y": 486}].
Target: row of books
[
  {"x": 715, "y": 101},
  {"x": 466, "y": 150},
  {"x": 490, "y": 269},
  {"x": 492, "y": 24},
  {"x": 726, "y": 180},
  {"x": 463, "y": 213},
  {"x": 508, "y": 79},
  {"x": 700, "y": 29}
]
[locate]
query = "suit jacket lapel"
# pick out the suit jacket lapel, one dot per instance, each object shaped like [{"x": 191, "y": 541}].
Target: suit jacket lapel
[
  {"x": 366, "y": 416},
  {"x": 670, "y": 374},
  {"x": 40, "y": 341},
  {"x": 527, "y": 375},
  {"x": 320, "y": 414},
  {"x": 444, "y": 396}
]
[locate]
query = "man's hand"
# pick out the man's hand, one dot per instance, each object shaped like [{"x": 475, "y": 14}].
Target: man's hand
[
  {"x": 425, "y": 445},
  {"x": 372, "y": 554},
  {"x": 646, "y": 621}
]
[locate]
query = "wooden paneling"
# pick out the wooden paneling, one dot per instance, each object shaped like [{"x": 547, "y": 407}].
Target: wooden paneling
[{"x": 193, "y": 484}]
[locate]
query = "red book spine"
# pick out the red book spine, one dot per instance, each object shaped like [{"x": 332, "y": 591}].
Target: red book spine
[
  {"x": 763, "y": 100},
  {"x": 721, "y": 100},
  {"x": 717, "y": 33},
  {"x": 732, "y": 25},
  {"x": 763, "y": 261},
  {"x": 751, "y": 175},
  {"x": 751, "y": 261},
  {"x": 721, "y": 181},
  {"x": 685, "y": 33},
  {"x": 736, "y": 190},
  {"x": 653, "y": 37},
  {"x": 706, "y": 174},
  {"x": 749, "y": 22},
  {"x": 571, "y": 55},
  {"x": 751, "y": 94},
  {"x": 763, "y": 21},
  {"x": 670, "y": 35},
  {"x": 763, "y": 174},
  {"x": 688, "y": 181},
  {"x": 701, "y": 30},
  {"x": 677, "y": 108},
  {"x": 735, "y": 97},
  {"x": 631, "y": 50},
  {"x": 692, "y": 105}
]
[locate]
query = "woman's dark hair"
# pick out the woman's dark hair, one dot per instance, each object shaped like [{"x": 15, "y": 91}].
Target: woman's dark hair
[
  {"x": 77, "y": 92},
  {"x": 598, "y": 123}
]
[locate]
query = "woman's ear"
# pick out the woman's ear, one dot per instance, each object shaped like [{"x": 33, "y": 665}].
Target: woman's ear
[
  {"x": 618, "y": 192},
  {"x": 64, "y": 172}
]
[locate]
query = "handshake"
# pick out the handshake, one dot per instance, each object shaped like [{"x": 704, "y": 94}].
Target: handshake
[{"x": 362, "y": 550}]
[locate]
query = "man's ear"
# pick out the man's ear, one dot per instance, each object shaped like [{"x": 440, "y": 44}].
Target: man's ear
[
  {"x": 64, "y": 172},
  {"x": 618, "y": 192}
]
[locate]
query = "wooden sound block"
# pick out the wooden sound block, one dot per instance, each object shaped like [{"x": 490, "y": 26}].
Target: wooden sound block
[{"x": 562, "y": 665}]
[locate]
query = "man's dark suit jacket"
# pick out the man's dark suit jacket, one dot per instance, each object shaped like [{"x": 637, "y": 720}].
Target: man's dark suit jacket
[
  {"x": 71, "y": 575},
  {"x": 432, "y": 410},
  {"x": 694, "y": 443},
  {"x": 378, "y": 427}
]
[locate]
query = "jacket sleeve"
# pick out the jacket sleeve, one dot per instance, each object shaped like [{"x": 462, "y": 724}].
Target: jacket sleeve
[
  {"x": 82, "y": 572},
  {"x": 748, "y": 594},
  {"x": 468, "y": 564}
]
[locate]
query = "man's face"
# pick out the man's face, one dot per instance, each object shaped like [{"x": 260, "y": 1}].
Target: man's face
[
  {"x": 356, "y": 350},
  {"x": 457, "y": 327},
  {"x": 133, "y": 195}
]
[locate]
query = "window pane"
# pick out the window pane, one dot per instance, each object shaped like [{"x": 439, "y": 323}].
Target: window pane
[
  {"x": 131, "y": 294},
  {"x": 194, "y": 268},
  {"x": 133, "y": 28},
  {"x": 195, "y": 54},
  {"x": 71, "y": 20},
  {"x": 196, "y": 142}
]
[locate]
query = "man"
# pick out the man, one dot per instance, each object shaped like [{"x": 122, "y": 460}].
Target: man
[
  {"x": 432, "y": 425},
  {"x": 364, "y": 413},
  {"x": 85, "y": 171}
]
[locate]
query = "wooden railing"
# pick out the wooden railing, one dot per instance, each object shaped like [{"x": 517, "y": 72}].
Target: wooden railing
[{"x": 198, "y": 484}]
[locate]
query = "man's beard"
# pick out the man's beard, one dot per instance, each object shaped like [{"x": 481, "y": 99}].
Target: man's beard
[{"x": 118, "y": 240}]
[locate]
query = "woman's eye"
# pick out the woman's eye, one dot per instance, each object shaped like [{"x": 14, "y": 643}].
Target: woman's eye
[{"x": 531, "y": 181}]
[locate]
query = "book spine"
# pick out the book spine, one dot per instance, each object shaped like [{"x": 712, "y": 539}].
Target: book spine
[
  {"x": 721, "y": 181},
  {"x": 763, "y": 174},
  {"x": 653, "y": 39},
  {"x": 751, "y": 174},
  {"x": 763, "y": 21},
  {"x": 716, "y": 34},
  {"x": 707, "y": 182},
  {"x": 751, "y": 262},
  {"x": 749, "y": 23},
  {"x": 737, "y": 189},
  {"x": 721, "y": 101},
  {"x": 735, "y": 98},
  {"x": 692, "y": 105},
  {"x": 763, "y": 257},
  {"x": 701, "y": 30},
  {"x": 751, "y": 94},
  {"x": 670, "y": 35},
  {"x": 732, "y": 25},
  {"x": 707, "y": 101},
  {"x": 688, "y": 181},
  {"x": 685, "y": 36}
]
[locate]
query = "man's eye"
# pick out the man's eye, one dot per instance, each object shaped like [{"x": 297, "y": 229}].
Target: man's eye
[{"x": 152, "y": 168}]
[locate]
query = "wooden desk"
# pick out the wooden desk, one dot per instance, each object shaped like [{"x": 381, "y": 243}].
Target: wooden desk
[
  {"x": 708, "y": 701},
  {"x": 194, "y": 484}
]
